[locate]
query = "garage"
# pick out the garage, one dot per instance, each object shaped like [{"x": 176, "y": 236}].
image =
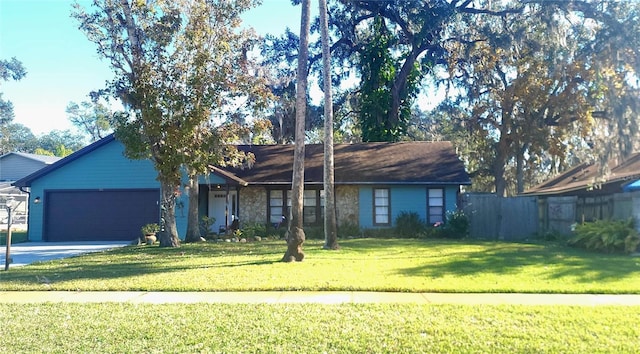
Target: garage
[{"x": 99, "y": 215}]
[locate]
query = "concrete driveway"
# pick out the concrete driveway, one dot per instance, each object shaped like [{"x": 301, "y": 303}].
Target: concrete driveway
[{"x": 30, "y": 252}]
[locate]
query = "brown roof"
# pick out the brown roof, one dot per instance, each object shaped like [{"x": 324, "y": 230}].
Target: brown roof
[
  {"x": 364, "y": 163},
  {"x": 586, "y": 175}
]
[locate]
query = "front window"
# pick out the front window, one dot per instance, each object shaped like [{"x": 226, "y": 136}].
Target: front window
[
  {"x": 312, "y": 207},
  {"x": 276, "y": 203},
  {"x": 436, "y": 205},
  {"x": 381, "y": 207}
]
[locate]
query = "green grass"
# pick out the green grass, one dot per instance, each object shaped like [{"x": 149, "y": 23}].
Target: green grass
[
  {"x": 298, "y": 328},
  {"x": 361, "y": 264}
]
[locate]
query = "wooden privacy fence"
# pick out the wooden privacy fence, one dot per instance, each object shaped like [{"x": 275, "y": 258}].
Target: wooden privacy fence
[
  {"x": 557, "y": 214},
  {"x": 494, "y": 218},
  {"x": 524, "y": 217}
]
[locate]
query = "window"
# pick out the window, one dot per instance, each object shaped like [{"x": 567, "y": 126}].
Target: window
[
  {"x": 312, "y": 205},
  {"x": 435, "y": 205},
  {"x": 276, "y": 203},
  {"x": 381, "y": 207},
  {"x": 309, "y": 209}
]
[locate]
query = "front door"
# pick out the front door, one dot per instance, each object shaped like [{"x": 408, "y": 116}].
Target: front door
[{"x": 220, "y": 210}]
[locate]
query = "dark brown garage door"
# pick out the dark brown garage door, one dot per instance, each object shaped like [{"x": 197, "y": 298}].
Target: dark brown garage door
[{"x": 99, "y": 215}]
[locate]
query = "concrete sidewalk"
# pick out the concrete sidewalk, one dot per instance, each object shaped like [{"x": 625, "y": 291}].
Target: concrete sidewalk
[{"x": 330, "y": 297}]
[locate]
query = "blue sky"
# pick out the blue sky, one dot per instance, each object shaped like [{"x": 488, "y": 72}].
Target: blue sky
[{"x": 62, "y": 65}]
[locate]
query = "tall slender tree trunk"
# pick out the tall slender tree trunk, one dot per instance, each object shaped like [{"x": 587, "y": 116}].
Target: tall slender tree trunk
[
  {"x": 499, "y": 168},
  {"x": 330, "y": 223},
  {"x": 502, "y": 150},
  {"x": 193, "y": 223},
  {"x": 520, "y": 168},
  {"x": 295, "y": 232},
  {"x": 169, "y": 233}
]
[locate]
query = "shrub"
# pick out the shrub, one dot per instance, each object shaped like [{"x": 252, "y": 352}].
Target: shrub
[
  {"x": 348, "y": 230},
  {"x": 205, "y": 225},
  {"x": 606, "y": 236},
  {"x": 150, "y": 229},
  {"x": 314, "y": 232},
  {"x": 409, "y": 224},
  {"x": 457, "y": 225},
  {"x": 254, "y": 229}
]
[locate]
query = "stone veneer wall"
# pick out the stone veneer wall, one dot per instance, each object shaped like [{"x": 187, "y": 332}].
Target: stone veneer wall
[
  {"x": 347, "y": 205},
  {"x": 253, "y": 205}
]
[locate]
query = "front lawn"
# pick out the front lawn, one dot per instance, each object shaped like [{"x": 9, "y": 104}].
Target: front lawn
[
  {"x": 360, "y": 264},
  {"x": 314, "y": 328}
]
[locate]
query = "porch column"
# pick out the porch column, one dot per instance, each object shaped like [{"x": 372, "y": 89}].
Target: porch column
[{"x": 226, "y": 210}]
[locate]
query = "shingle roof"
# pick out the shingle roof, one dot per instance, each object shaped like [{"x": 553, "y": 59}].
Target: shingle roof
[
  {"x": 585, "y": 175},
  {"x": 364, "y": 163}
]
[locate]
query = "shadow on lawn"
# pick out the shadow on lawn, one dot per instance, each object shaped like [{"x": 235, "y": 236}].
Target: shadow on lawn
[
  {"x": 133, "y": 261},
  {"x": 552, "y": 261}
]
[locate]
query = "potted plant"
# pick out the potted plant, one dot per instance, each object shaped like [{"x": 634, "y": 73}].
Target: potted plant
[{"x": 149, "y": 232}]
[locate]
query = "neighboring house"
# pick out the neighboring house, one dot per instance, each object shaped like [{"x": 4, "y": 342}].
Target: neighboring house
[
  {"x": 98, "y": 194},
  {"x": 590, "y": 195},
  {"x": 13, "y": 166},
  {"x": 586, "y": 180}
]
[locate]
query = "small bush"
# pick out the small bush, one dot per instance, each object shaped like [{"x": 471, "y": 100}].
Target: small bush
[
  {"x": 457, "y": 225},
  {"x": 348, "y": 230},
  {"x": 606, "y": 236},
  {"x": 205, "y": 225},
  {"x": 254, "y": 229},
  {"x": 409, "y": 224},
  {"x": 277, "y": 233},
  {"x": 314, "y": 232}
]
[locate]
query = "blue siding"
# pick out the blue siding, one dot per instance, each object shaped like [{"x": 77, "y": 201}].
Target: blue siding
[
  {"x": 403, "y": 198},
  {"x": 408, "y": 199},
  {"x": 13, "y": 167},
  {"x": 104, "y": 168},
  {"x": 451, "y": 198},
  {"x": 211, "y": 179}
]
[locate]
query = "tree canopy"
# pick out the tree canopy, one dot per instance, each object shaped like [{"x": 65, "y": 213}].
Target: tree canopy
[
  {"x": 526, "y": 89},
  {"x": 174, "y": 63}
]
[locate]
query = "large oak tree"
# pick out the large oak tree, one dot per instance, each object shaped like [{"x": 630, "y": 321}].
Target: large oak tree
[{"x": 171, "y": 63}]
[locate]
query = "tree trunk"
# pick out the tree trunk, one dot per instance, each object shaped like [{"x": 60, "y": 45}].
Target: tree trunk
[
  {"x": 399, "y": 88},
  {"x": 168, "y": 235},
  {"x": 330, "y": 224},
  {"x": 520, "y": 169},
  {"x": 295, "y": 233},
  {"x": 502, "y": 151},
  {"x": 193, "y": 222},
  {"x": 499, "y": 168}
]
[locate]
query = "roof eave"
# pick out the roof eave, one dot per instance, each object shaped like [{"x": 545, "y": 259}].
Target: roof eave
[{"x": 580, "y": 187}]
